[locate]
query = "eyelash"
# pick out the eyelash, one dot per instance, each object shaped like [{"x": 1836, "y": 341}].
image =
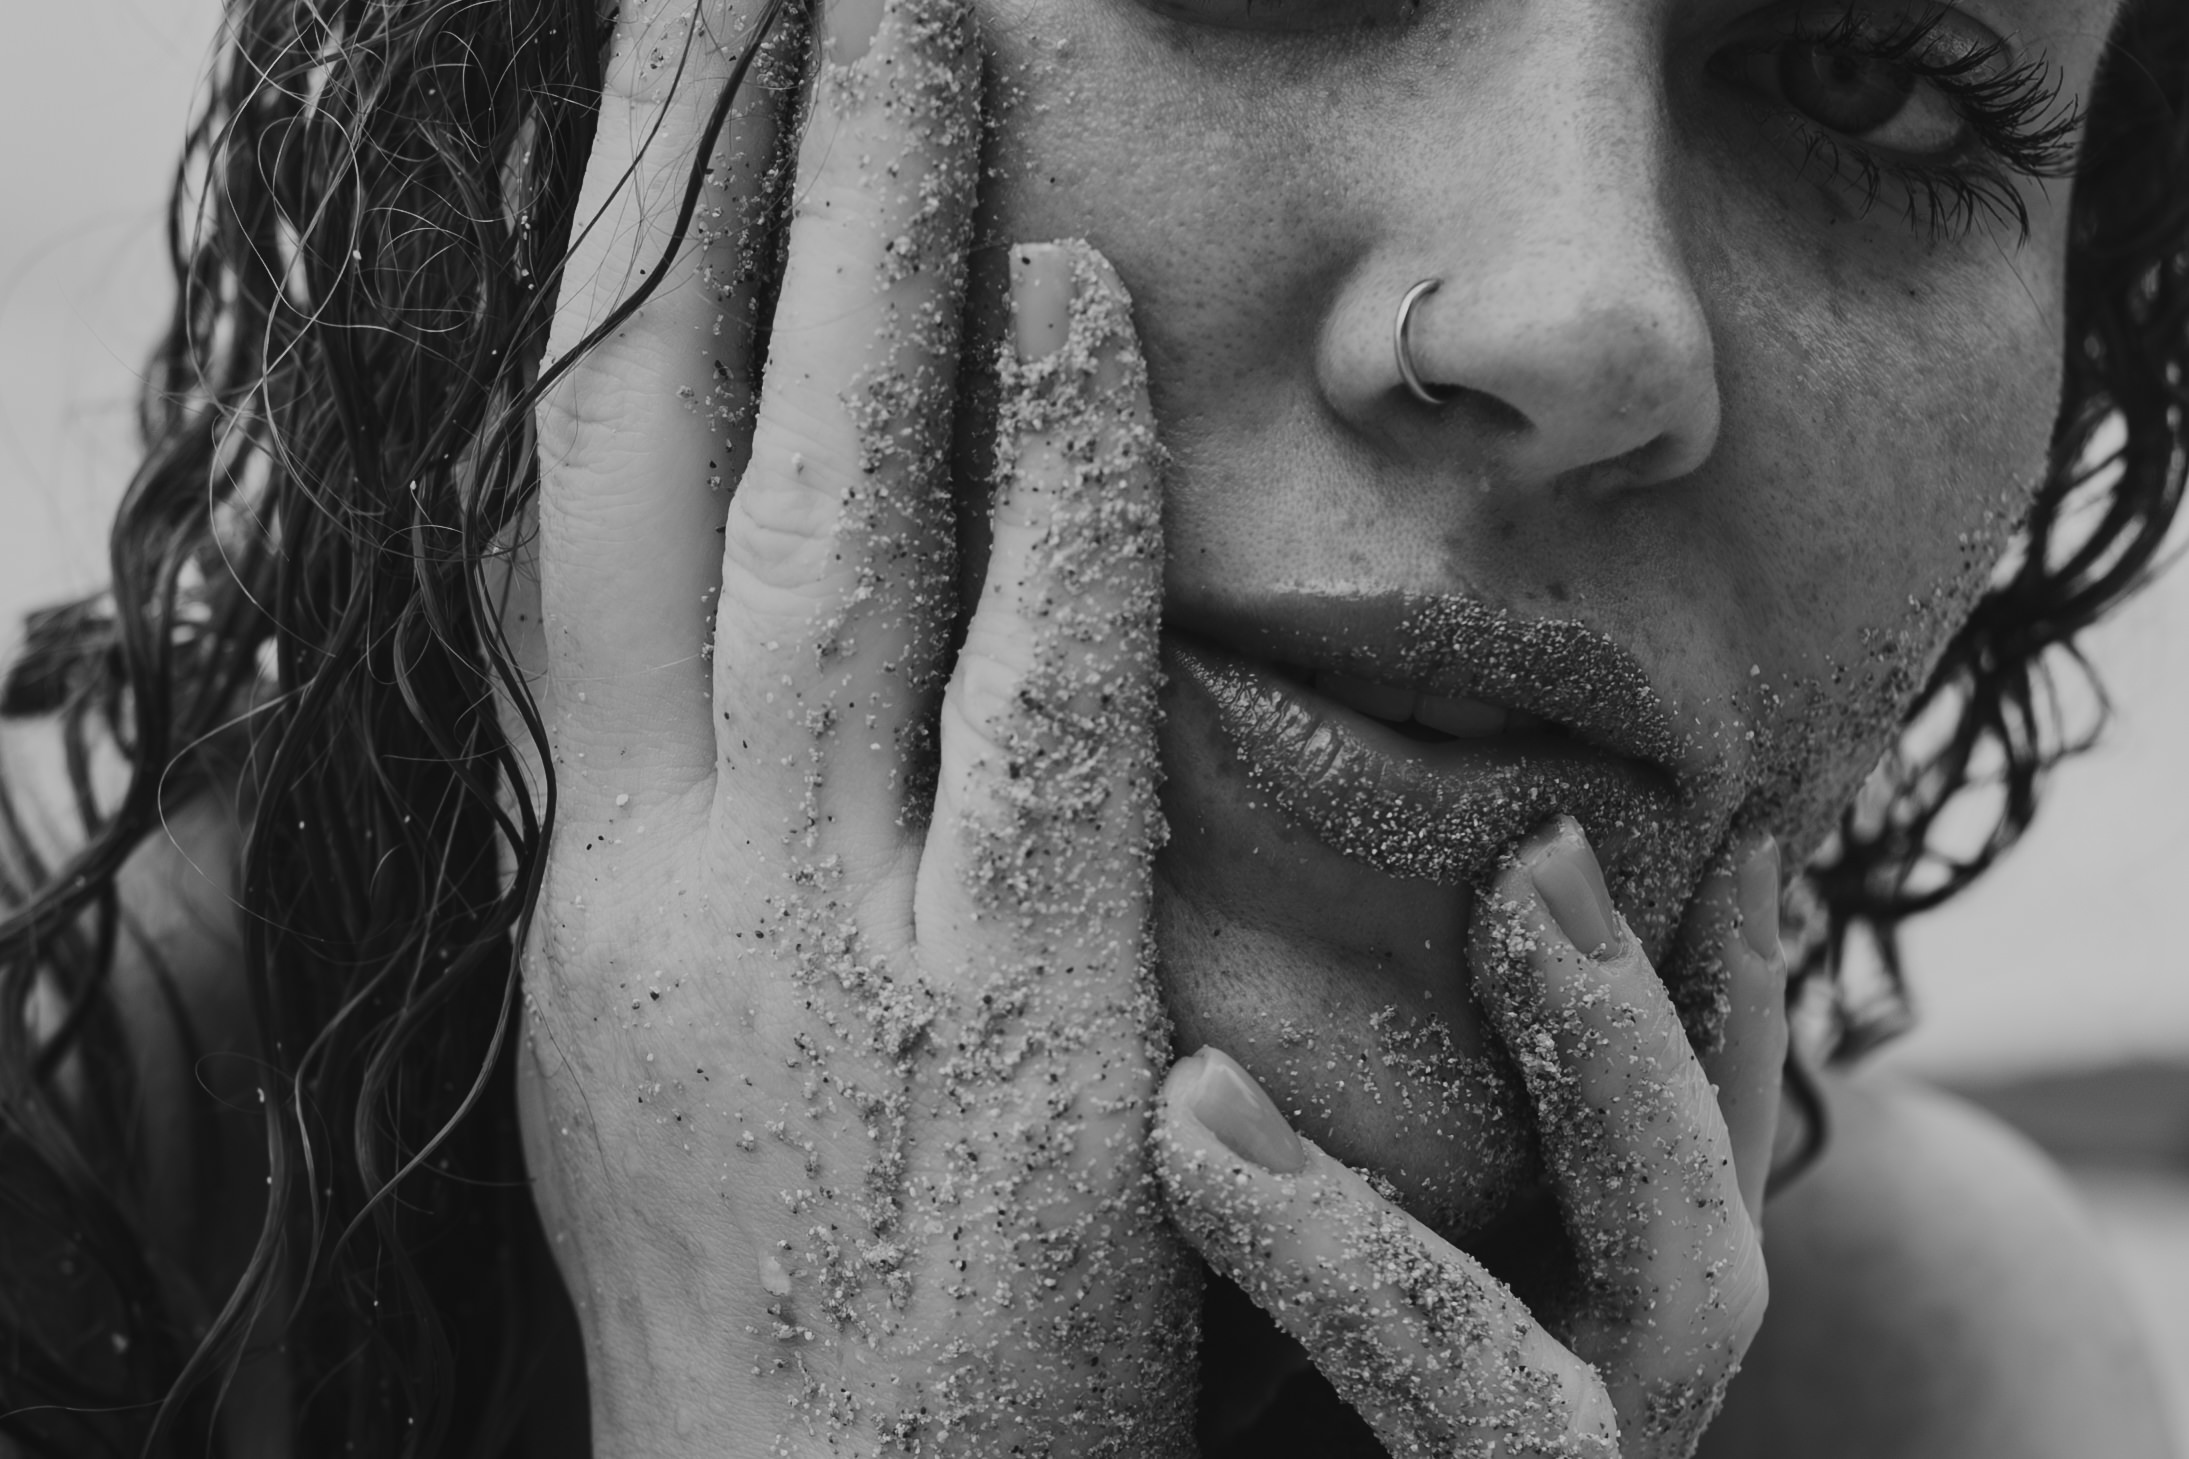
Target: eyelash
[
  {"x": 2016, "y": 126},
  {"x": 2012, "y": 115}
]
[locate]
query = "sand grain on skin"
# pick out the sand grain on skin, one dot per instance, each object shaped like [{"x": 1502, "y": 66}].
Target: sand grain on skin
[
  {"x": 1614, "y": 1193},
  {"x": 1438, "y": 1355},
  {"x": 1005, "y": 1259}
]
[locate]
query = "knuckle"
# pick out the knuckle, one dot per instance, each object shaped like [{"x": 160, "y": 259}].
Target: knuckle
[
  {"x": 605, "y": 521},
  {"x": 784, "y": 536},
  {"x": 777, "y": 540},
  {"x": 626, "y": 395},
  {"x": 1336, "y": 1324},
  {"x": 1040, "y": 712},
  {"x": 1730, "y": 1297},
  {"x": 1046, "y": 824},
  {"x": 1746, "y": 1293},
  {"x": 985, "y": 747},
  {"x": 585, "y": 405},
  {"x": 988, "y": 688}
]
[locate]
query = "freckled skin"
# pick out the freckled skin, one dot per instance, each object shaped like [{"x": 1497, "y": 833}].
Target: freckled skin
[
  {"x": 1819, "y": 429},
  {"x": 905, "y": 1192}
]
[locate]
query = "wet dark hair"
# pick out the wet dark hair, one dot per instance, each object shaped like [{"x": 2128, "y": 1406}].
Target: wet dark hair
[
  {"x": 1992, "y": 721},
  {"x": 369, "y": 223}
]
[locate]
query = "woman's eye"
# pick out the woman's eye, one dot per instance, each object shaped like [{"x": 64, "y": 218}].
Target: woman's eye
[
  {"x": 1869, "y": 99},
  {"x": 1286, "y": 14},
  {"x": 1934, "y": 107}
]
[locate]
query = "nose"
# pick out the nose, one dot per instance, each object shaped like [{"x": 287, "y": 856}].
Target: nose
[
  {"x": 1564, "y": 340},
  {"x": 1567, "y": 364}
]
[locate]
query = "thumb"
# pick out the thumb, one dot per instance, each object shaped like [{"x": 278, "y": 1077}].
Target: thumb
[{"x": 1437, "y": 1355}]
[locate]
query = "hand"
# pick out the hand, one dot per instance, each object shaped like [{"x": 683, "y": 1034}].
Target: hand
[
  {"x": 841, "y": 1040},
  {"x": 1659, "y": 1183}
]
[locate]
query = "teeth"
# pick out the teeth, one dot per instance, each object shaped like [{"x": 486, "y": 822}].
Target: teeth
[
  {"x": 1379, "y": 700},
  {"x": 1465, "y": 719}
]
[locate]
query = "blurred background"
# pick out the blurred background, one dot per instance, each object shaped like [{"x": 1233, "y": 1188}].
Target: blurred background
[{"x": 2056, "y": 993}]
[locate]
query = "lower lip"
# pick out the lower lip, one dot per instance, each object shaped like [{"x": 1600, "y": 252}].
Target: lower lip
[{"x": 1442, "y": 812}]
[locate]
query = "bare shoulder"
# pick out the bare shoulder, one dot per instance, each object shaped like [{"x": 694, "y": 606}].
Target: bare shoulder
[
  {"x": 176, "y": 887},
  {"x": 174, "y": 983},
  {"x": 183, "y": 1011},
  {"x": 1936, "y": 1290}
]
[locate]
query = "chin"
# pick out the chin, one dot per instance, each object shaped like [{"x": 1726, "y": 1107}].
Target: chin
[{"x": 1341, "y": 773}]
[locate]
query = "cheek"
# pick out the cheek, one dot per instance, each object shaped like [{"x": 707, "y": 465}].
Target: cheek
[
  {"x": 1227, "y": 208},
  {"x": 1098, "y": 131},
  {"x": 1910, "y": 466},
  {"x": 1908, "y": 426},
  {"x": 1103, "y": 130}
]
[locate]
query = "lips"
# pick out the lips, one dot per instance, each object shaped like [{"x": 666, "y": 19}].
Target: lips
[
  {"x": 1424, "y": 737},
  {"x": 1444, "y": 646},
  {"x": 1451, "y": 716},
  {"x": 1342, "y": 773}
]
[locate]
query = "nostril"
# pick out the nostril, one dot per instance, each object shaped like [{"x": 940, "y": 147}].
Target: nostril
[
  {"x": 1534, "y": 371},
  {"x": 1491, "y": 417},
  {"x": 1657, "y": 460},
  {"x": 1498, "y": 417},
  {"x": 1646, "y": 462}
]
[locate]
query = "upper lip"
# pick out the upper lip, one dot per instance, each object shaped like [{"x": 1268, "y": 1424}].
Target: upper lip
[{"x": 1558, "y": 670}]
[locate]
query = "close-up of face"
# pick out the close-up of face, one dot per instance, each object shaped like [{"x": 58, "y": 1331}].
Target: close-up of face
[
  {"x": 1741, "y": 366},
  {"x": 1096, "y": 727}
]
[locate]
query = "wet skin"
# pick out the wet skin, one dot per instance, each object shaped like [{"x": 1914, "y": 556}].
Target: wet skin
[
  {"x": 1598, "y": 527},
  {"x": 1764, "y": 439}
]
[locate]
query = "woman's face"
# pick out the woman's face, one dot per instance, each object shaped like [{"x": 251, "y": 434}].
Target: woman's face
[{"x": 1725, "y": 455}]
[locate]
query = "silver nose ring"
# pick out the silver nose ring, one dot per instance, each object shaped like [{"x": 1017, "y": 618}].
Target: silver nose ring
[{"x": 1404, "y": 350}]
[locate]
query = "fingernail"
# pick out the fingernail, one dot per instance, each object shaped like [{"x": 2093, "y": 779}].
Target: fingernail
[
  {"x": 1571, "y": 884},
  {"x": 1225, "y": 1099},
  {"x": 1758, "y": 894},
  {"x": 1041, "y": 300},
  {"x": 852, "y": 26}
]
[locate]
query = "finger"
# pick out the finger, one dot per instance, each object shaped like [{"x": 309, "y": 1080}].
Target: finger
[
  {"x": 1045, "y": 812},
  {"x": 1031, "y": 900},
  {"x": 643, "y": 433},
  {"x": 838, "y": 582},
  {"x": 1435, "y": 1353},
  {"x": 1671, "y": 1278},
  {"x": 1747, "y": 1067}
]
